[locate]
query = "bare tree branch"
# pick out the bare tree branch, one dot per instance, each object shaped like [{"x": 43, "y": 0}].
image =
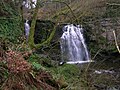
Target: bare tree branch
[
  {"x": 113, "y": 4},
  {"x": 116, "y": 42}
]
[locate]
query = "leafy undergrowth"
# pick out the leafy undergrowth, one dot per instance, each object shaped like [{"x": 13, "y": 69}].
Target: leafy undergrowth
[
  {"x": 28, "y": 71},
  {"x": 79, "y": 77},
  {"x": 67, "y": 75},
  {"x": 18, "y": 74}
]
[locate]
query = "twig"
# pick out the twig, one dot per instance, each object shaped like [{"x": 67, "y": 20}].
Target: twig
[
  {"x": 58, "y": 1},
  {"x": 116, "y": 41},
  {"x": 4, "y": 18},
  {"x": 113, "y": 4},
  {"x": 96, "y": 53}
]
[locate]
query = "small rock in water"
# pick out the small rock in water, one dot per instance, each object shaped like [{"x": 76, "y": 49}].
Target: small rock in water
[{"x": 61, "y": 63}]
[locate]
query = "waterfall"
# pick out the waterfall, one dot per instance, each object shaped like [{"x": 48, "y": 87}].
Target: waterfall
[
  {"x": 27, "y": 29},
  {"x": 29, "y": 3},
  {"x": 73, "y": 47}
]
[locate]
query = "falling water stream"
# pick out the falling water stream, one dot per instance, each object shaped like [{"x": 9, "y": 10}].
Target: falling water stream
[
  {"x": 27, "y": 29},
  {"x": 73, "y": 47},
  {"x": 29, "y": 4}
]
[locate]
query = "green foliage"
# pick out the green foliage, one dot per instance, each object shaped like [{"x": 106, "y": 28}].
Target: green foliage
[
  {"x": 8, "y": 8},
  {"x": 10, "y": 30},
  {"x": 66, "y": 74},
  {"x": 68, "y": 71},
  {"x": 35, "y": 61},
  {"x": 37, "y": 66},
  {"x": 3, "y": 71},
  {"x": 43, "y": 30},
  {"x": 112, "y": 11},
  {"x": 33, "y": 58},
  {"x": 10, "y": 21}
]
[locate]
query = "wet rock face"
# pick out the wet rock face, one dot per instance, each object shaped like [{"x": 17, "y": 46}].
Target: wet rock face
[
  {"x": 101, "y": 33},
  {"x": 111, "y": 25},
  {"x": 43, "y": 30}
]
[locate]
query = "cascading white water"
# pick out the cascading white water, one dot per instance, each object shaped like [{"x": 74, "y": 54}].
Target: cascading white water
[
  {"x": 73, "y": 47},
  {"x": 29, "y": 3},
  {"x": 27, "y": 29}
]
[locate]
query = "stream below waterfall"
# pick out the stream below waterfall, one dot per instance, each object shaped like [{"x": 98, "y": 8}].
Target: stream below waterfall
[{"x": 103, "y": 75}]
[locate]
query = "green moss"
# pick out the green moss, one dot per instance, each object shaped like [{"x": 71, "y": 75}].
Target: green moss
[
  {"x": 68, "y": 71},
  {"x": 35, "y": 60},
  {"x": 42, "y": 30},
  {"x": 10, "y": 22},
  {"x": 112, "y": 10}
]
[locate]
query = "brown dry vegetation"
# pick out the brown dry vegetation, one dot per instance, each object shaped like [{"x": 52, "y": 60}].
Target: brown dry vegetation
[
  {"x": 59, "y": 11},
  {"x": 21, "y": 75},
  {"x": 80, "y": 8}
]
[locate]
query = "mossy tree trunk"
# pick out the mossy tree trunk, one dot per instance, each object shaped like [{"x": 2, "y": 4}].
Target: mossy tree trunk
[
  {"x": 31, "y": 43},
  {"x": 32, "y": 28}
]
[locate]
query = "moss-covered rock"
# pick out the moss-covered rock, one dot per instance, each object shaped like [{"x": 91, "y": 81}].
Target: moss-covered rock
[{"x": 68, "y": 71}]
